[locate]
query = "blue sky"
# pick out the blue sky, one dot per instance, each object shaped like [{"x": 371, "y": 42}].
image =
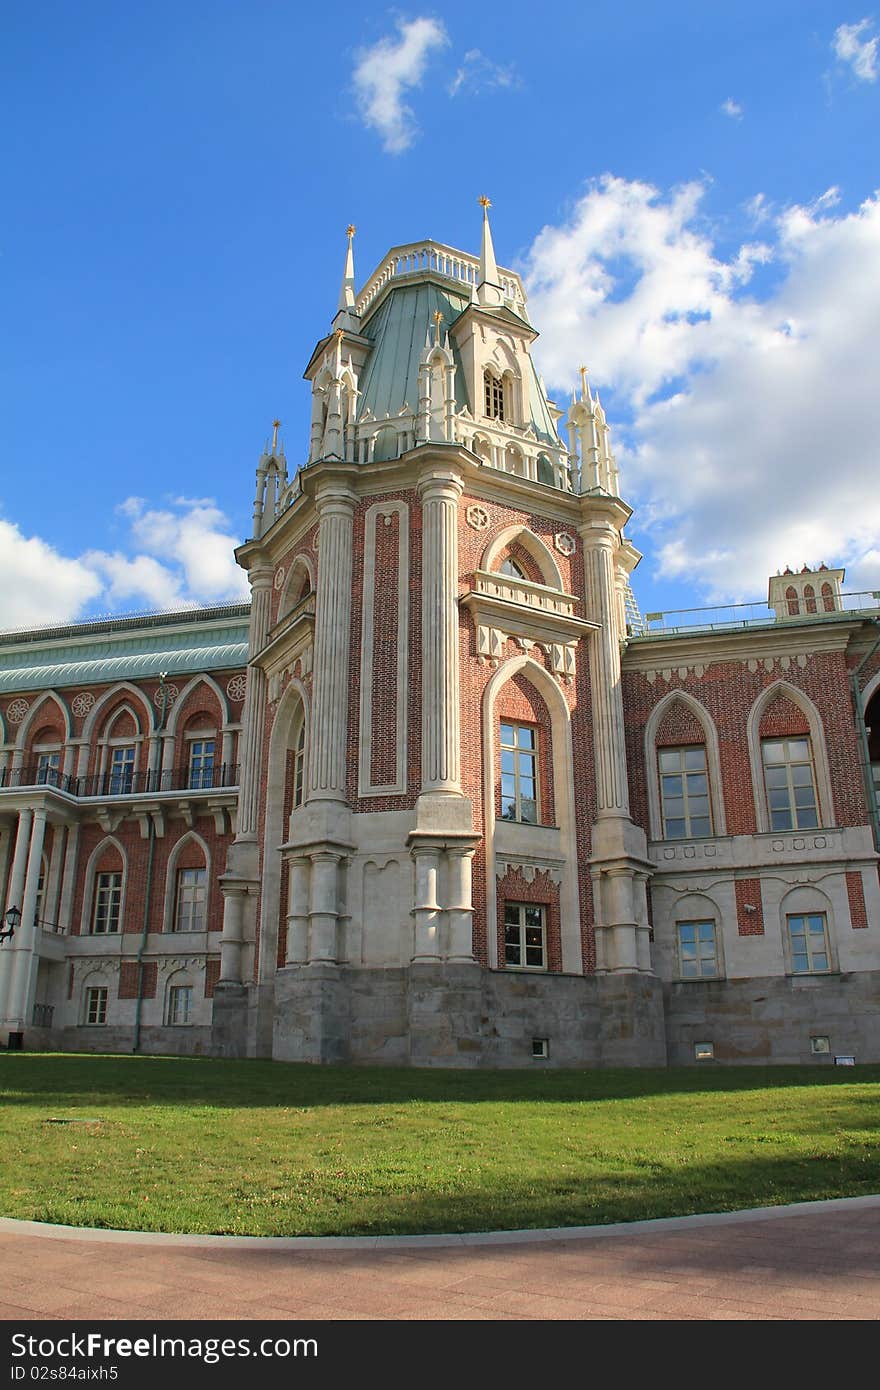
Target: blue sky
[{"x": 688, "y": 188}]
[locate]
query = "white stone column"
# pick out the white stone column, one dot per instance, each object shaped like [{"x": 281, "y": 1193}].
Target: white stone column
[
  {"x": 324, "y": 908},
  {"x": 232, "y": 936},
  {"x": 441, "y": 734},
  {"x": 612, "y": 792},
  {"x": 461, "y": 908},
  {"x": 426, "y": 911},
  {"x": 328, "y": 761},
  {"x": 298, "y": 911},
  {"x": 14, "y": 895},
  {"x": 254, "y": 713},
  {"x": 25, "y": 937},
  {"x": 68, "y": 877}
]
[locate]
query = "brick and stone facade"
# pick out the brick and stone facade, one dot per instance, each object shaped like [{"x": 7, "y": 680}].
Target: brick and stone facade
[{"x": 437, "y": 797}]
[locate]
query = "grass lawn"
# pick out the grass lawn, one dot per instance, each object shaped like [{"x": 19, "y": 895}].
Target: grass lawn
[{"x": 267, "y": 1148}]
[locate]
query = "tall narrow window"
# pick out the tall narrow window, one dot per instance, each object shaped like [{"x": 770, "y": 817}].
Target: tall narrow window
[
  {"x": 201, "y": 763},
  {"x": 808, "y": 938},
  {"x": 180, "y": 1002},
  {"x": 525, "y": 936},
  {"x": 299, "y": 766},
  {"x": 494, "y": 396},
  {"x": 519, "y": 773},
  {"x": 790, "y": 784},
  {"x": 121, "y": 771},
  {"x": 108, "y": 903},
  {"x": 192, "y": 900},
  {"x": 96, "y": 1005},
  {"x": 697, "y": 951},
  {"x": 684, "y": 792}
]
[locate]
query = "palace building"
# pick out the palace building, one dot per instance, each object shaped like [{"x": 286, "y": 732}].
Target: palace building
[{"x": 439, "y": 795}]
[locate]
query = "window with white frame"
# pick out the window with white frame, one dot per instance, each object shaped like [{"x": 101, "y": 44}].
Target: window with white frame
[
  {"x": 108, "y": 903},
  {"x": 494, "y": 395},
  {"x": 201, "y": 763},
  {"x": 192, "y": 900},
  {"x": 121, "y": 770},
  {"x": 49, "y": 767},
  {"x": 180, "y": 1004},
  {"x": 808, "y": 939},
  {"x": 525, "y": 936},
  {"x": 697, "y": 950},
  {"x": 510, "y": 566},
  {"x": 299, "y": 766},
  {"x": 790, "y": 783},
  {"x": 96, "y": 1004},
  {"x": 519, "y": 772},
  {"x": 684, "y": 792}
]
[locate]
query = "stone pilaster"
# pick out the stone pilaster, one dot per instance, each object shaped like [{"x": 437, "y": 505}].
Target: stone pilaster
[
  {"x": 254, "y": 713},
  {"x": 328, "y": 764},
  {"x": 441, "y": 733},
  {"x": 14, "y": 894},
  {"x": 24, "y": 943},
  {"x": 612, "y": 793},
  {"x": 461, "y": 908},
  {"x": 426, "y": 909},
  {"x": 298, "y": 911}
]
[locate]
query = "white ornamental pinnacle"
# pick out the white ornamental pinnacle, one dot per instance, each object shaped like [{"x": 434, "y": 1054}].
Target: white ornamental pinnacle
[
  {"x": 16, "y": 711},
  {"x": 236, "y": 688},
  {"x": 171, "y": 693},
  {"x": 82, "y": 703},
  {"x": 279, "y": 577},
  {"x": 565, "y": 544},
  {"x": 478, "y": 518}
]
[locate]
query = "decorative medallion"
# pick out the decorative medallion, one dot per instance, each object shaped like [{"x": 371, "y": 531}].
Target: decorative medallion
[
  {"x": 477, "y": 517},
  {"x": 16, "y": 710},
  {"x": 565, "y": 544},
  {"x": 82, "y": 703},
  {"x": 279, "y": 577},
  {"x": 236, "y": 688},
  {"x": 171, "y": 694}
]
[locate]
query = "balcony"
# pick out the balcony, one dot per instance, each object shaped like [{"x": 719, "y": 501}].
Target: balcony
[
  {"x": 113, "y": 784},
  {"x": 504, "y": 606}
]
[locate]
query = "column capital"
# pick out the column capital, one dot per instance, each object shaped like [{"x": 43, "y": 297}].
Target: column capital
[
  {"x": 334, "y": 497},
  {"x": 261, "y": 575},
  {"x": 441, "y": 482},
  {"x": 599, "y": 533}
]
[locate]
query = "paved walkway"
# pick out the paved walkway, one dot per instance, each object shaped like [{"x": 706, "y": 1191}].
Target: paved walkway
[{"x": 814, "y": 1260}]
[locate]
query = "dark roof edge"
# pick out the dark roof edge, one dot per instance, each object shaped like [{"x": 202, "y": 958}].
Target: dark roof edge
[{"x": 123, "y": 622}]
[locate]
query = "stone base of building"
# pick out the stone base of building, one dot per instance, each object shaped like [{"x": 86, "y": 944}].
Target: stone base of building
[{"x": 772, "y": 1020}]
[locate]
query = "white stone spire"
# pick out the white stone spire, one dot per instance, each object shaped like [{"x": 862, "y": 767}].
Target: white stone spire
[
  {"x": 346, "y": 316},
  {"x": 488, "y": 291}
]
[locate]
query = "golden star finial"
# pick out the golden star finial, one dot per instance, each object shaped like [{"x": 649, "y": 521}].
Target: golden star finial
[
  {"x": 485, "y": 202},
  {"x": 438, "y": 317},
  {"x": 350, "y": 229},
  {"x": 276, "y": 425},
  {"x": 583, "y": 372},
  {"x": 339, "y": 334}
]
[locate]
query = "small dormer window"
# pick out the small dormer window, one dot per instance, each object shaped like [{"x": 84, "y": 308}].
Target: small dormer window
[{"x": 494, "y": 396}]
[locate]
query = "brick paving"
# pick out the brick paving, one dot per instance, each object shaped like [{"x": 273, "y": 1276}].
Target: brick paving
[{"x": 818, "y": 1260}]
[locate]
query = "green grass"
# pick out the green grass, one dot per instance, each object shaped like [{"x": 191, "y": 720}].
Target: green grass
[{"x": 267, "y": 1148}]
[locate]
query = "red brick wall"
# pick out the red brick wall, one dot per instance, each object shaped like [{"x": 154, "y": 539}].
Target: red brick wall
[
  {"x": 748, "y": 892},
  {"x": 679, "y": 727},
  {"x": 855, "y": 891},
  {"x": 783, "y": 719},
  {"x": 728, "y": 690},
  {"x": 128, "y": 979},
  {"x": 212, "y": 975},
  {"x": 383, "y": 693}
]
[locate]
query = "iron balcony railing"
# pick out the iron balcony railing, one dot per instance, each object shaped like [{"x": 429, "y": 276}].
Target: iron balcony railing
[
  {"x": 729, "y": 617},
  {"x": 114, "y": 783}
]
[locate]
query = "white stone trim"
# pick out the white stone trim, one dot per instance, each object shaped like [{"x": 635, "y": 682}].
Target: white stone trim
[
  {"x": 299, "y": 563},
  {"x": 94, "y": 713},
  {"x": 32, "y": 716},
  {"x": 817, "y": 741},
  {"x": 366, "y": 787},
  {"x": 870, "y": 690},
  {"x": 292, "y": 708},
  {"x": 201, "y": 678},
  {"x": 560, "y": 752},
  {"x": 540, "y": 552},
  {"x": 713, "y": 762},
  {"x": 803, "y": 898}
]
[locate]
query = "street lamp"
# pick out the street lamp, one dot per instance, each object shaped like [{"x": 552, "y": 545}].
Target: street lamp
[{"x": 12, "y": 919}]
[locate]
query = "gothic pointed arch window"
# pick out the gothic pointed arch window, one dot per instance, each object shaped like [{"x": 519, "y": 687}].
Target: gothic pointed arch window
[{"x": 511, "y": 567}]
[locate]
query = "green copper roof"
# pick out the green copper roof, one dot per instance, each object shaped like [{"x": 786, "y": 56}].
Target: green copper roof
[
  {"x": 30, "y": 661},
  {"x": 399, "y": 329}
]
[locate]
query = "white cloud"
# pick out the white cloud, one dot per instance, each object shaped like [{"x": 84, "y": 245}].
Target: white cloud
[
  {"x": 478, "y": 73},
  {"x": 749, "y": 422},
  {"x": 177, "y": 556},
  {"x": 732, "y": 109},
  {"x": 860, "y": 53},
  {"x": 384, "y": 72}
]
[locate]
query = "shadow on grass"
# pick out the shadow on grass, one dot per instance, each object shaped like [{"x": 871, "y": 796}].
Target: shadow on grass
[{"x": 82, "y": 1080}]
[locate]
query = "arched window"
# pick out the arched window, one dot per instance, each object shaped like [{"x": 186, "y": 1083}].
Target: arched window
[
  {"x": 494, "y": 396},
  {"x": 545, "y": 470},
  {"x": 299, "y": 765},
  {"x": 510, "y": 566},
  {"x": 810, "y": 597}
]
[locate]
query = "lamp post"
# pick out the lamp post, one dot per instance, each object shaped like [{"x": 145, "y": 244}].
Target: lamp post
[{"x": 12, "y": 919}]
